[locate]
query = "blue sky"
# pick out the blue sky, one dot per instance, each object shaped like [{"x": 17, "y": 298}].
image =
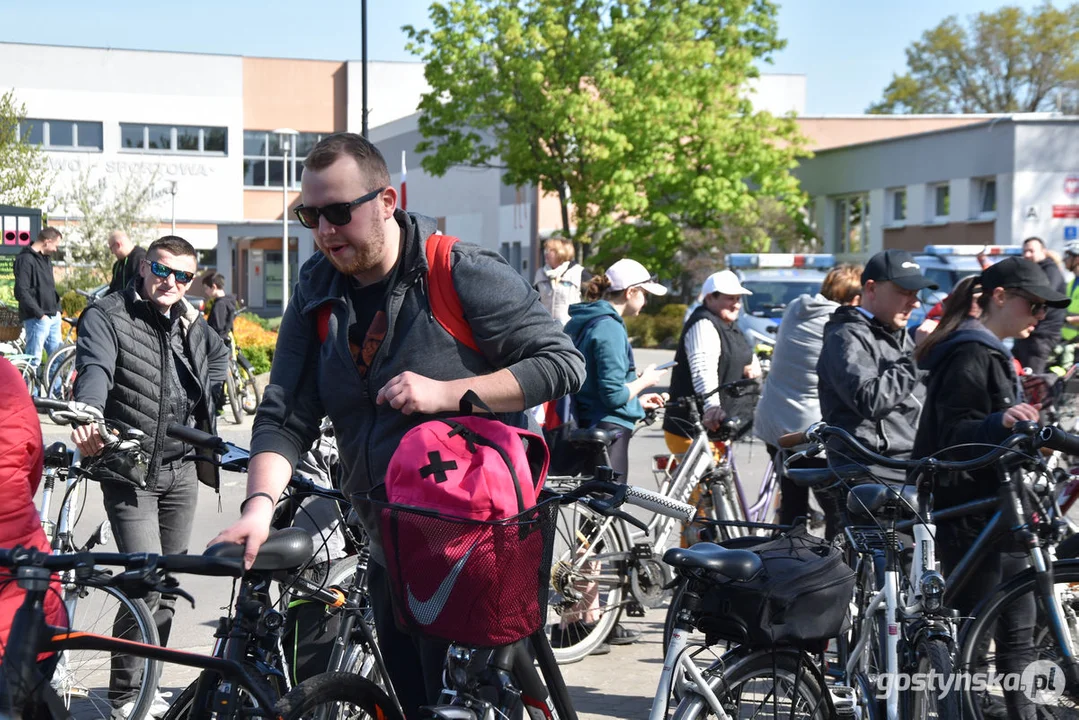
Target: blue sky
[{"x": 848, "y": 49}]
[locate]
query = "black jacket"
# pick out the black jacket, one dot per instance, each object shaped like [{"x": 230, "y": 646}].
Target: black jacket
[
  {"x": 1050, "y": 325},
  {"x": 868, "y": 382},
  {"x": 124, "y": 353},
  {"x": 222, "y": 315},
  {"x": 126, "y": 270},
  {"x": 35, "y": 288},
  {"x": 971, "y": 383}
]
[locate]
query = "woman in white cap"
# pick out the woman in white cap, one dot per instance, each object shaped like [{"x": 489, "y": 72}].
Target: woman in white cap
[
  {"x": 611, "y": 397},
  {"x": 711, "y": 352}
]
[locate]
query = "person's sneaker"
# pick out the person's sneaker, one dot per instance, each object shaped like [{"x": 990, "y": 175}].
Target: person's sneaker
[
  {"x": 160, "y": 705},
  {"x": 604, "y": 648},
  {"x": 622, "y": 635}
]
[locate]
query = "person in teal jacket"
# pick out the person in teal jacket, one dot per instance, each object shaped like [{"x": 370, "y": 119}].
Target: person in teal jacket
[{"x": 610, "y": 397}]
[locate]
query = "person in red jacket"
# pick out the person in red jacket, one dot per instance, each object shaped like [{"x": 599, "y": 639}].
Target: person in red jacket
[{"x": 21, "y": 458}]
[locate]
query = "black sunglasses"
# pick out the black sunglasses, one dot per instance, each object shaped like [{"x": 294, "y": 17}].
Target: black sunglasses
[
  {"x": 163, "y": 271},
  {"x": 1037, "y": 305},
  {"x": 335, "y": 213}
]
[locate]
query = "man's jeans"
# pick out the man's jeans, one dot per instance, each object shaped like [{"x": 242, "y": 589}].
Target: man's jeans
[
  {"x": 42, "y": 334},
  {"x": 159, "y": 522}
]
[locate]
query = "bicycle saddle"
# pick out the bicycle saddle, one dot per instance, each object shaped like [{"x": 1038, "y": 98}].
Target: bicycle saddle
[
  {"x": 285, "y": 549},
  {"x": 815, "y": 477},
  {"x": 881, "y": 499},
  {"x": 591, "y": 436},
  {"x": 735, "y": 564}
]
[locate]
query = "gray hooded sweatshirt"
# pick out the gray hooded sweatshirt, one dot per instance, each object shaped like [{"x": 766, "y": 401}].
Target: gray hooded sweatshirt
[{"x": 789, "y": 397}]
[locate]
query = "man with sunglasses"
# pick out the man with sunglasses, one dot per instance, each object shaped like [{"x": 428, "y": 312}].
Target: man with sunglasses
[
  {"x": 380, "y": 363},
  {"x": 146, "y": 358}
]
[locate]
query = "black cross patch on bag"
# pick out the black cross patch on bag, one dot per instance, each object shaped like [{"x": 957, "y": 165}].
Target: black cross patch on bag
[{"x": 437, "y": 467}]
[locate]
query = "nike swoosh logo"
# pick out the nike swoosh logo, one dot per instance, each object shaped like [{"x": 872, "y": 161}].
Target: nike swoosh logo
[
  {"x": 427, "y": 611},
  {"x": 908, "y": 264}
]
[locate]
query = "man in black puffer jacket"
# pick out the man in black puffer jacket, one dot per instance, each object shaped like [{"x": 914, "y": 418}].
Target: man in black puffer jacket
[{"x": 146, "y": 358}]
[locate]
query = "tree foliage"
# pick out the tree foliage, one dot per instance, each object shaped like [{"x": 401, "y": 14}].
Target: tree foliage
[
  {"x": 1000, "y": 62},
  {"x": 24, "y": 174},
  {"x": 101, "y": 206},
  {"x": 635, "y": 112}
]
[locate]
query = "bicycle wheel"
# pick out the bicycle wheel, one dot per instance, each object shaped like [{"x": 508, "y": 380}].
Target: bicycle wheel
[
  {"x": 935, "y": 699},
  {"x": 588, "y": 581},
  {"x": 332, "y": 696},
  {"x": 183, "y": 707},
  {"x": 760, "y": 684},
  {"x": 234, "y": 397},
  {"x": 51, "y": 373},
  {"x": 62, "y": 385},
  {"x": 82, "y": 677},
  {"x": 991, "y": 644},
  {"x": 358, "y": 658},
  {"x": 250, "y": 397}
]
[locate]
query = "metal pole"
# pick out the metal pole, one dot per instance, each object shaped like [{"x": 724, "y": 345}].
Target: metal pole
[
  {"x": 173, "y": 191},
  {"x": 363, "y": 61},
  {"x": 284, "y": 223}
]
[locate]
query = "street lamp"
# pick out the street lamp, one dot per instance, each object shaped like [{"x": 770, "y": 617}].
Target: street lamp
[
  {"x": 287, "y": 134},
  {"x": 172, "y": 191}
]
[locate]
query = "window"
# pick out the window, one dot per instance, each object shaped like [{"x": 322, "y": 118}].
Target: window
[
  {"x": 941, "y": 202},
  {"x": 263, "y": 162},
  {"x": 60, "y": 134},
  {"x": 177, "y": 139},
  {"x": 851, "y": 233},
  {"x": 985, "y": 198},
  {"x": 897, "y": 203}
]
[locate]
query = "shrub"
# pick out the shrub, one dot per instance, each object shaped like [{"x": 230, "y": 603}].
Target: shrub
[
  {"x": 256, "y": 342},
  {"x": 260, "y": 357},
  {"x": 71, "y": 303}
]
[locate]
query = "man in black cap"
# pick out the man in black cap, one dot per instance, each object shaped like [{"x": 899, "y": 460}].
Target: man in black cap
[{"x": 868, "y": 382}]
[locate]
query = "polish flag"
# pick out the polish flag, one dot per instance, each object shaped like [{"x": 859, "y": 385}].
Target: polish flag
[{"x": 404, "y": 191}]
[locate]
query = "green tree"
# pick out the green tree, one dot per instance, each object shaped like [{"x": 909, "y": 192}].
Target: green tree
[
  {"x": 635, "y": 113},
  {"x": 24, "y": 173},
  {"x": 101, "y": 206},
  {"x": 1001, "y": 62}
]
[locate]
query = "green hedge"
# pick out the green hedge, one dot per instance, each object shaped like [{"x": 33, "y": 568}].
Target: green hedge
[
  {"x": 260, "y": 357},
  {"x": 659, "y": 329}
]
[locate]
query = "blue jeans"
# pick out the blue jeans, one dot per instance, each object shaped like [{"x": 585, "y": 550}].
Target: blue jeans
[{"x": 42, "y": 334}]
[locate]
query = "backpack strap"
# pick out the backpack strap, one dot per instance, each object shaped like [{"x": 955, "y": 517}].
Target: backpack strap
[
  {"x": 322, "y": 320},
  {"x": 445, "y": 303}
]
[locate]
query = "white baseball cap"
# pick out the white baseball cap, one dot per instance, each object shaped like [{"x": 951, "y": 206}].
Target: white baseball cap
[
  {"x": 627, "y": 273},
  {"x": 725, "y": 282}
]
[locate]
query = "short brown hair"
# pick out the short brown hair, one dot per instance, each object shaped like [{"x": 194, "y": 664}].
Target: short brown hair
[
  {"x": 562, "y": 247},
  {"x": 49, "y": 233},
  {"x": 215, "y": 279},
  {"x": 372, "y": 164},
  {"x": 842, "y": 284},
  {"x": 173, "y": 244}
]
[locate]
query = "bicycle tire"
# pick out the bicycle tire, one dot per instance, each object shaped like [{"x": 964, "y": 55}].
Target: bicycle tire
[
  {"x": 327, "y": 692},
  {"x": 90, "y": 669},
  {"x": 183, "y": 707},
  {"x": 52, "y": 366},
  {"x": 250, "y": 397},
  {"x": 934, "y": 658},
  {"x": 568, "y": 580},
  {"x": 234, "y": 397},
  {"x": 977, "y": 633},
  {"x": 62, "y": 387},
  {"x": 729, "y": 677}
]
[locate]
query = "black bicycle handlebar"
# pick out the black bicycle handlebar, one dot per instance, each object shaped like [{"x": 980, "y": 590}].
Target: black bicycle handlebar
[
  {"x": 197, "y": 438},
  {"x": 19, "y": 556}
]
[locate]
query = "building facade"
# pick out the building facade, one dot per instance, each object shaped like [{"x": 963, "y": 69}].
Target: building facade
[{"x": 996, "y": 180}]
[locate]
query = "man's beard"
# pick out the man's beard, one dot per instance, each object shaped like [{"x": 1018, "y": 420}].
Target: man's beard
[{"x": 364, "y": 257}]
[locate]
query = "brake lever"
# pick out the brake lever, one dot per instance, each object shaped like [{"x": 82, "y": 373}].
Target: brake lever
[{"x": 604, "y": 508}]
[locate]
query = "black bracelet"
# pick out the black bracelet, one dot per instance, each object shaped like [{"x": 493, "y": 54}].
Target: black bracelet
[{"x": 252, "y": 496}]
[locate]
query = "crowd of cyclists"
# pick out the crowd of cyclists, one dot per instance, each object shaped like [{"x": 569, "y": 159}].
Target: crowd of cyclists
[{"x": 361, "y": 348}]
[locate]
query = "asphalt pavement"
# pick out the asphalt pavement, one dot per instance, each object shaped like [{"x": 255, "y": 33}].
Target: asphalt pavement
[{"x": 618, "y": 685}]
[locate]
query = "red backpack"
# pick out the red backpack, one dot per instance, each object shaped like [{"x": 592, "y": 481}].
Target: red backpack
[
  {"x": 445, "y": 303},
  {"x": 467, "y": 548}
]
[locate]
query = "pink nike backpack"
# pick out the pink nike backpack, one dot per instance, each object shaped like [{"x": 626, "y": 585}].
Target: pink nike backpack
[{"x": 468, "y": 549}]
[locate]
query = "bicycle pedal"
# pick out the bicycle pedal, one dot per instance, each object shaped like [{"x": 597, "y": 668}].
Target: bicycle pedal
[
  {"x": 634, "y": 609},
  {"x": 843, "y": 700},
  {"x": 643, "y": 551}
]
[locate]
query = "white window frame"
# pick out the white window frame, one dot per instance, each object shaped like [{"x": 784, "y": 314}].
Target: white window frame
[
  {"x": 978, "y": 186},
  {"x": 295, "y": 163},
  {"x": 934, "y": 218},
  {"x": 893, "y": 195},
  {"x": 841, "y": 232},
  {"x": 46, "y": 135},
  {"x": 172, "y": 149}
]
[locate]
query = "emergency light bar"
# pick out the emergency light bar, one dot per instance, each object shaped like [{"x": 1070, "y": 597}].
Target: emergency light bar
[
  {"x": 941, "y": 250},
  {"x": 780, "y": 260}
]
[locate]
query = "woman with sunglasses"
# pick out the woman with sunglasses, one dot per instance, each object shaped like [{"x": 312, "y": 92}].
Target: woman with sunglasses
[{"x": 974, "y": 396}]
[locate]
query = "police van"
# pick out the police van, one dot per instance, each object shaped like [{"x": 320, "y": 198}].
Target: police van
[{"x": 946, "y": 265}]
